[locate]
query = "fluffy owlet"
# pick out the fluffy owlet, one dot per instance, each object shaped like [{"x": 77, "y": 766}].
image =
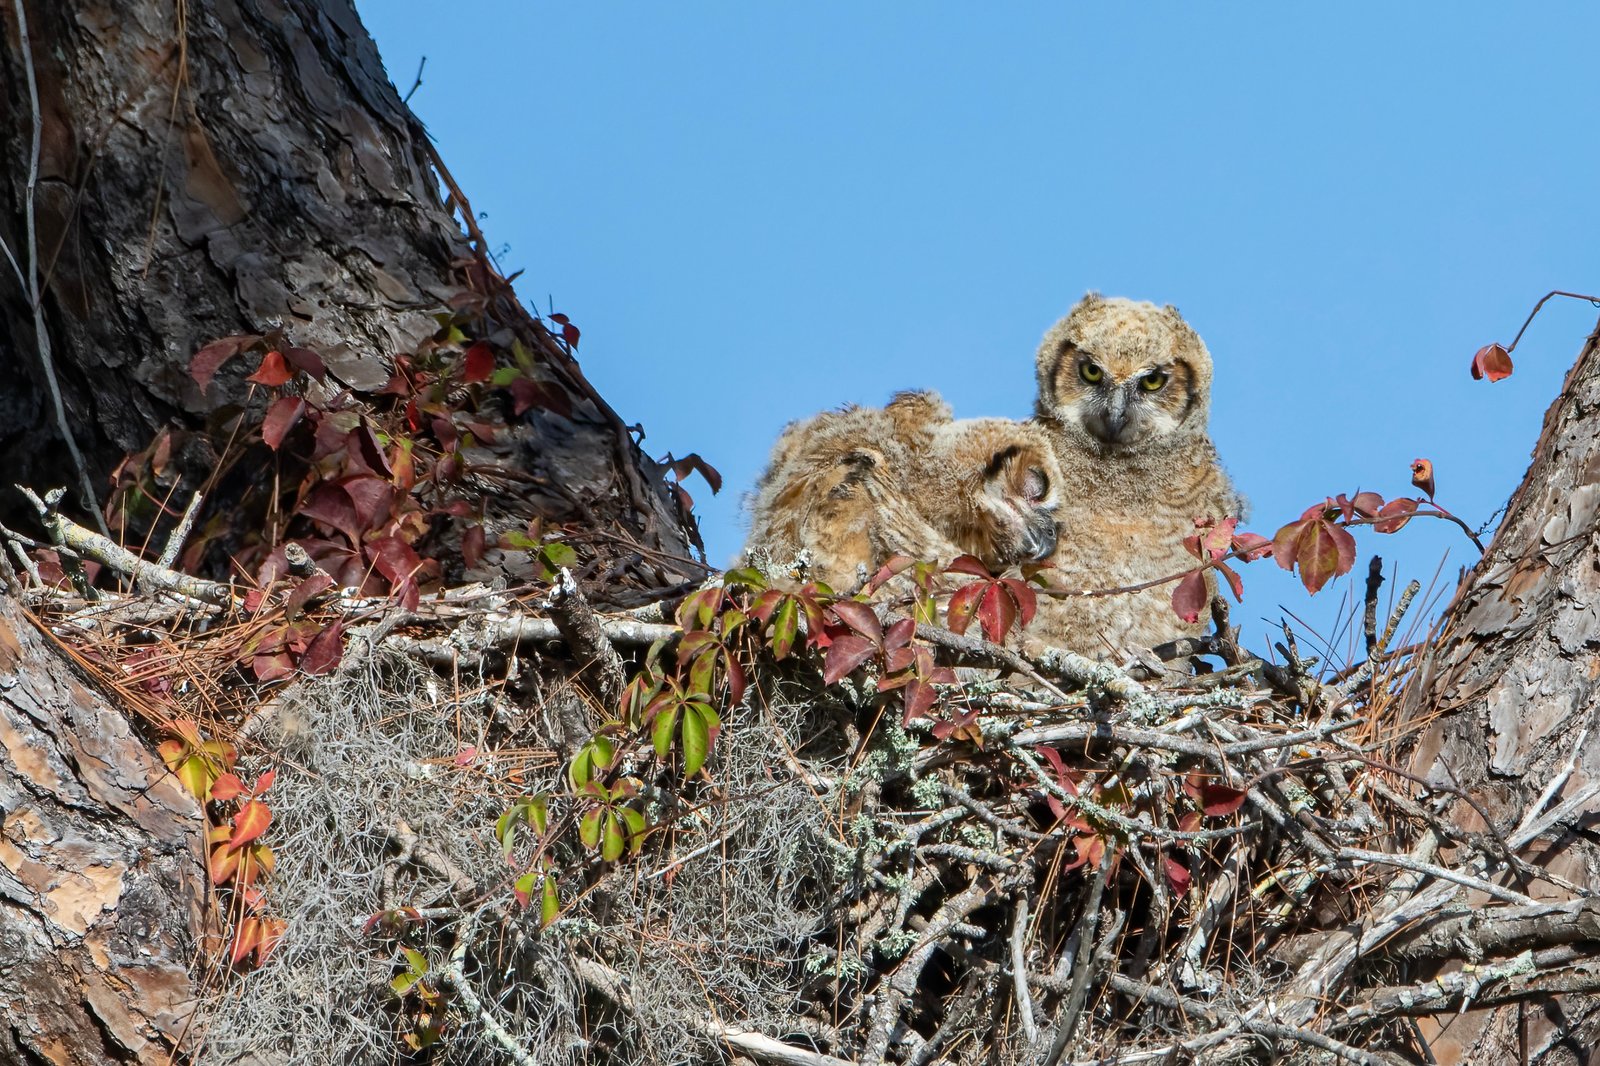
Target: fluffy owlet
[
  {"x": 1124, "y": 393},
  {"x": 846, "y": 490}
]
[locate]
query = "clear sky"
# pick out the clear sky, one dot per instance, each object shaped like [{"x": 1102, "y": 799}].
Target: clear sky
[{"x": 758, "y": 211}]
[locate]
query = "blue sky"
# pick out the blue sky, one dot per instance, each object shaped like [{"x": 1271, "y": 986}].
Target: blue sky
[{"x": 758, "y": 211}]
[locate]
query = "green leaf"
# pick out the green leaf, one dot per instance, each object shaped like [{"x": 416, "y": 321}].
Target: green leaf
[
  {"x": 523, "y": 887},
  {"x": 550, "y": 905},
  {"x": 634, "y": 820},
  {"x": 696, "y": 737},
  {"x": 748, "y": 576},
  {"x": 702, "y": 674},
  {"x": 558, "y": 554},
  {"x": 785, "y": 626},
  {"x": 503, "y": 828},
  {"x": 614, "y": 842},
  {"x": 662, "y": 728},
  {"x": 504, "y": 376},
  {"x": 589, "y": 827}
]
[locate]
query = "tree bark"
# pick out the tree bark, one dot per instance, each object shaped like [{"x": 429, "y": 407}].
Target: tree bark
[
  {"x": 102, "y": 878},
  {"x": 1508, "y": 696},
  {"x": 205, "y": 169},
  {"x": 224, "y": 167}
]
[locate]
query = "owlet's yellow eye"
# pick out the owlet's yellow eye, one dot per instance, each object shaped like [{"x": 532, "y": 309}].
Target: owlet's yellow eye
[
  {"x": 1153, "y": 381},
  {"x": 1090, "y": 372}
]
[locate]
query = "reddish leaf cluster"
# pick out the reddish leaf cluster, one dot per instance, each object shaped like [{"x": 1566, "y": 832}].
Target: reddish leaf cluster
[
  {"x": 1214, "y": 543},
  {"x": 1318, "y": 542},
  {"x": 998, "y": 603}
]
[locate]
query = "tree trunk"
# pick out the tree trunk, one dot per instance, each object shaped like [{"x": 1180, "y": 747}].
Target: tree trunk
[
  {"x": 224, "y": 167},
  {"x": 188, "y": 172},
  {"x": 102, "y": 879},
  {"x": 1509, "y": 695}
]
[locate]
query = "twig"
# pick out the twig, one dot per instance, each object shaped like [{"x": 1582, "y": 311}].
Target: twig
[
  {"x": 1485, "y": 932},
  {"x": 169, "y": 554},
  {"x": 1213, "y": 1013},
  {"x": 1369, "y": 620},
  {"x": 1019, "y": 968},
  {"x": 599, "y": 662},
  {"x": 1511, "y": 981},
  {"x": 1434, "y": 870},
  {"x": 415, "y": 85},
  {"x": 41, "y": 335},
  {"x": 453, "y": 974},
  {"x": 106, "y": 551},
  {"x": 1087, "y": 926},
  {"x": 898, "y": 988},
  {"x": 1529, "y": 320}
]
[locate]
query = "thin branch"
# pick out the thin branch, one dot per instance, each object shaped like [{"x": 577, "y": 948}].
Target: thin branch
[
  {"x": 41, "y": 335},
  {"x": 1529, "y": 320}
]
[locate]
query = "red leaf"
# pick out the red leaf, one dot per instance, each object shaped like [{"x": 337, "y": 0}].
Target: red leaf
[
  {"x": 272, "y": 667},
  {"x": 1320, "y": 549},
  {"x": 247, "y": 936},
  {"x": 900, "y": 633},
  {"x": 1395, "y": 514},
  {"x": 307, "y": 360},
  {"x": 281, "y": 417},
  {"x": 859, "y": 617},
  {"x": 569, "y": 333},
  {"x": 1189, "y": 598},
  {"x": 1367, "y": 504},
  {"x": 1492, "y": 362},
  {"x": 264, "y": 781},
  {"x": 920, "y": 698},
  {"x": 968, "y": 564},
  {"x": 526, "y": 393},
  {"x": 1219, "y": 801},
  {"x": 692, "y": 463},
  {"x": 331, "y": 506},
  {"x": 478, "y": 363},
  {"x": 365, "y": 444},
  {"x": 963, "y": 605},
  {"x": 560, "y": 318},
  {"x": 845, "y": 654},
  {"x": 1026, "y": 599},
  {"x": 997, "y": 613},
  {"x": 1177, "y": 875},
  {"x": 325, "y": 650},
  {"x": 1235, "y": 583},
  {"x": 272, "y": 371},
  {"x": 303, "y": 593},
  {"x": 208, "y": 360},
  {"x": 394, "y": 559},
  {"x": 472, "y": 542},
  {"x": 1422, "y": 476},
  {"x": 226, "y": 787},
  {"x": 371, "y": 497},
  {"x": 251, "y": 821},
  {"x": 1253, "y": 546}
]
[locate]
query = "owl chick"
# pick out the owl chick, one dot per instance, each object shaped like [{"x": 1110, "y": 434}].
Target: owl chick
[
  {"x": 846, "y": 490},
  {"x": 1124, "y": 393}
]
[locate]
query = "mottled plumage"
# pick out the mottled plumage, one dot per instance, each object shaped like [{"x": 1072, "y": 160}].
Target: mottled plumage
[
  {"x": 846, "y": 490},
  {"x": 1124, "y": 393}
]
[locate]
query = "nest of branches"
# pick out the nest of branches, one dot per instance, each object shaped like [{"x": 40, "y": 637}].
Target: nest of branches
[{"x": 772, "y": 826}]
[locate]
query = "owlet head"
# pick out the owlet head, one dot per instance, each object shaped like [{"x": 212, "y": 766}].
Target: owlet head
[
  {"x": 1123, "y": 375},
  {"x": 1006, "y": 486}
]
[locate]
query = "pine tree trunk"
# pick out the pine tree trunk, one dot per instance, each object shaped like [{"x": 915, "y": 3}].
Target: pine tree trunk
[
  {"x": 1509, "y": 696},
  {"x": 204, "y": 169},
  {"x": 102, "y": 880},
  {"x": 223, "y": 167}
]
